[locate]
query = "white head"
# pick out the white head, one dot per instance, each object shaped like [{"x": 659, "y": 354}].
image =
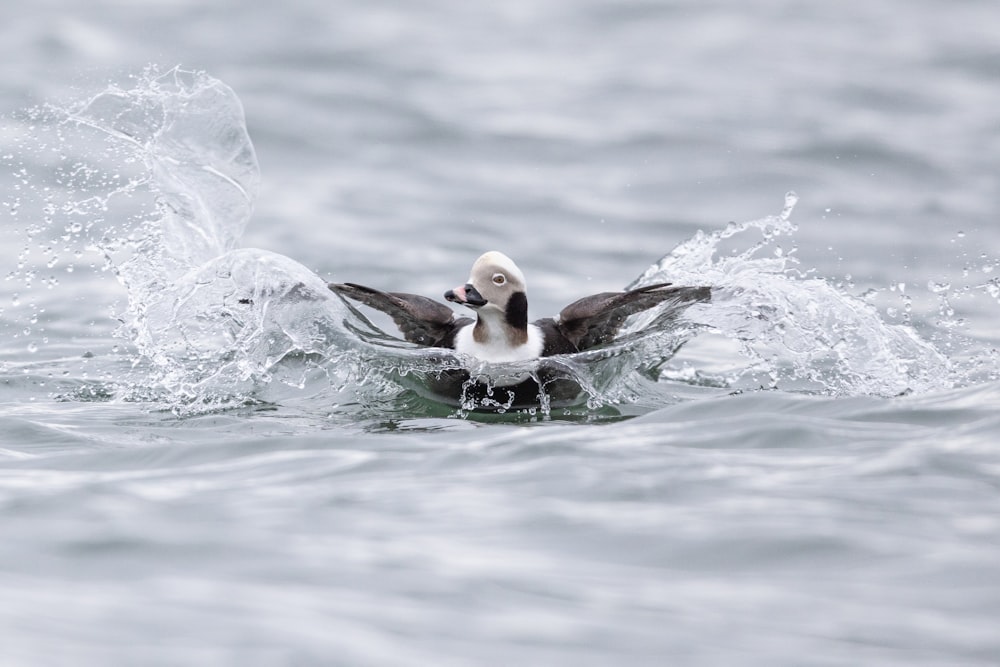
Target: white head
[{"x": 496, "y": 289}]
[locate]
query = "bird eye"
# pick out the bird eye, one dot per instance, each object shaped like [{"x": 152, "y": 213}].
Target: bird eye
[{"x": 499, "y": 279}]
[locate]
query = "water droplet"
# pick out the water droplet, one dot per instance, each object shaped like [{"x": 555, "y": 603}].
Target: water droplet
[
  {"x": 791, "y": 199},
  {"x": 937, "y": 287},
  {"x": 32, "y": 347}
]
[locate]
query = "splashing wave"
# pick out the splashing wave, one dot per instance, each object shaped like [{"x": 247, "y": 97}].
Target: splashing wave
[
  {"x": 801, "y": 332},
  {"x": 215, "y": 325}
]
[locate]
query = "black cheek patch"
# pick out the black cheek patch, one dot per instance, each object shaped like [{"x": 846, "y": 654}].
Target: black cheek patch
[{"x": 517, "y": 310}]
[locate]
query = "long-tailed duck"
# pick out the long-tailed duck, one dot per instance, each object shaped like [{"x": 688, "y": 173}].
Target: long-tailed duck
[{"x": 501, "y": 331}]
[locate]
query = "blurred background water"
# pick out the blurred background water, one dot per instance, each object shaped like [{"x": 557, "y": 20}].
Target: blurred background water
[{"x": 397, "y": 141}]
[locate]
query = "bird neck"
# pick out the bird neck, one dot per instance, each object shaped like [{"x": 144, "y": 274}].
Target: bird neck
[{"x": 510, "y": 326}]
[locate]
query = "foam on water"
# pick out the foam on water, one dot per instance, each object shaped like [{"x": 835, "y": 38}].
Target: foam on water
[{"x": 214, "y": 325}]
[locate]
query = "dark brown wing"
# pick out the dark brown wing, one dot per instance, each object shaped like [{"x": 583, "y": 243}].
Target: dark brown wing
[
  {"x": 421, "y": 320},
  {"x": 595, "y": 320},
  {"x": 555, "y": 342}
]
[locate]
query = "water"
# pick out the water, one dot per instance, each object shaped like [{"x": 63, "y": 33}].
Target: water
[{"x": 208, "y": 458}]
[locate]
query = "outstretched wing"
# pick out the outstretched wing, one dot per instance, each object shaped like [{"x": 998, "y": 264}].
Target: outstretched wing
[
  {"x": 421, "y": 320},
  {"x": 595, "y": 320}
]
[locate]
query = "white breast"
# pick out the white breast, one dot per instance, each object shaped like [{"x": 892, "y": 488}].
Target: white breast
[{"x": 499, "y": 351}]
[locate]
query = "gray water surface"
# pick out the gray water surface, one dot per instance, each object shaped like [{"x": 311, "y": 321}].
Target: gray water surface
[{"x": 788, "y": 508}]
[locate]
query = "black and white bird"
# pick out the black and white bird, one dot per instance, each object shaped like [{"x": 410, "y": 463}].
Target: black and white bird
[{"x": 496, "y": 292}]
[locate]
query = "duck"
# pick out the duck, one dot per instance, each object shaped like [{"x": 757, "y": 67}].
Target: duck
[{"x": 500, "y": 331}]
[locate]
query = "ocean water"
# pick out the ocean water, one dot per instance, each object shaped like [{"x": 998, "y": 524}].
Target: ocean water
[{"x": 206, "y": 457}]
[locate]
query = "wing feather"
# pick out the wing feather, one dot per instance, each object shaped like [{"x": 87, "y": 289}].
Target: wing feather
[
  {"x": 421, "y": 320},
  {"x": 595, "y": 320}
]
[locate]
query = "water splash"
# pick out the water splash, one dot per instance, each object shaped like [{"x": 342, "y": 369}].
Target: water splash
[
  {"x": 799, "y": 332},
  {"x": 189, "y": 132},
  {"x": 215, "y": 325},
  {"x": 159, "y": 178}
]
